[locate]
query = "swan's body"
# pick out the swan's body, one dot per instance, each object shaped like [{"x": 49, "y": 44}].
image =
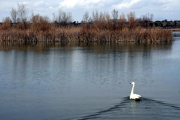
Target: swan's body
[{"x": 132, "y": 95}]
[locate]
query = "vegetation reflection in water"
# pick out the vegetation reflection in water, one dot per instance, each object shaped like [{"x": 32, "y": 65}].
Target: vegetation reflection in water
[{"x": 98, "y": 47}]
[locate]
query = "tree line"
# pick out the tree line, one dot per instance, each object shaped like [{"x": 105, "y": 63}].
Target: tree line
[
  {"x": 97, "y": 27},
  {"x": 20, "y": 15}
]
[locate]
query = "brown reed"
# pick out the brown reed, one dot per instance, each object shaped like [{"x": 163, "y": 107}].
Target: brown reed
[
  {"x": 79, "y": 34},
  {"x": 102, "y": 30},
  {"x": 5, "y": 25}
]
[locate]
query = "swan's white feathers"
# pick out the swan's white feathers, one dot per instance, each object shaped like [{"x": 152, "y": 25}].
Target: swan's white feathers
[
  {"x": 135, "y": 96},
  {"x": 132, "y": 95}
]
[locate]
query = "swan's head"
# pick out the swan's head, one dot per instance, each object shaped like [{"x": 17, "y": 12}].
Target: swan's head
[{"x": 132, "y": 83}]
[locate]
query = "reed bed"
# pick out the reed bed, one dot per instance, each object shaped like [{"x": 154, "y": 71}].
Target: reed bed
[
  {"x": 78, "y": 34},
  {"x": 100, "y": 27},
  {"x": 92, "y": 33}
]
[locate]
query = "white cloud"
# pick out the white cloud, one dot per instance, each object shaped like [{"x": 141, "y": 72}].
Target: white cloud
[
  {"x": 71, "y": 4},
  {"x": 126, "y": 4},
  {"x": 162, "y": 9},
  {"x": 39, "y": 3},
  {"x": 25, "y": 3}
]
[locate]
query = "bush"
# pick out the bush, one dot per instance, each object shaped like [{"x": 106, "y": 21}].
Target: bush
[
  {"x": 40, "y": 23},
  {"x": 6, "y": 25}
]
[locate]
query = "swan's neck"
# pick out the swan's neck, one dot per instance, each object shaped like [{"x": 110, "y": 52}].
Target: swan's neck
[{"x": 132, "y": 91}]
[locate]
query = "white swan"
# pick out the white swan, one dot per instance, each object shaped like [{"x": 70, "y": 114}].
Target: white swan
[{"x": 132, "y": 95}]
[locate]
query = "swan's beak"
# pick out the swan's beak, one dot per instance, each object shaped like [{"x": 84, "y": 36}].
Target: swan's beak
[{"x": 130, "y": 83}]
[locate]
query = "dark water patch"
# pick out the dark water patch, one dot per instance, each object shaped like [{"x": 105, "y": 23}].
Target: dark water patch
[
  {"x": 98, "y": 47},
  {"x": 143, "y": 109},
  {"x": 176, "y": 34}
]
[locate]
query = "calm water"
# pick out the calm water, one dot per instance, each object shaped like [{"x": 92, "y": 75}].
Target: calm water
[{"x": 46, "y": 81}]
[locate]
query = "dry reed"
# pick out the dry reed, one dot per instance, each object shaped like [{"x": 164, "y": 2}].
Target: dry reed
[
  {"x": 79, "y": 34},
  {"x": 103, "y": 29}
]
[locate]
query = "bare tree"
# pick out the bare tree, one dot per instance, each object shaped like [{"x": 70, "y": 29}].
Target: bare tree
[
  {"x": 145, "y": 20},
  {"x": 122, "y": 17},
  {"x": 6, "y": 23},
  {"x": 151, "y": 16},
  {"x": 18, "y": 20},
  {"x": 63, "y": 17},
  {"x": 40, "y": 23},
  {"x": 122, "y": 21},
  {"x": 131, "y": 16},
  {"x": 59, "y": 17},
  {"x": 14, "y": 14},
  {"x": 90, "y": 20},
  {"x": 102, "y": 17},
  {"x": 95, "y": 16},
  {"x": 54, "y": 18},
  {"x": 69, "y": 17},
  {"x": 115, "y": 14},
  {"x": 22, "y": 12},
  {"x": 132, "y": 21},
  {"x": 7, "y": 19},
  {"x": 31, "y": 18},
  {"x": 86, "y": 17},
  {"x": 108, "y": 18}
]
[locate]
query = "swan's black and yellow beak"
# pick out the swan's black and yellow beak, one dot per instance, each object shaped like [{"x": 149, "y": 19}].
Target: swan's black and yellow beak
[{"x": 130, "y": 83}]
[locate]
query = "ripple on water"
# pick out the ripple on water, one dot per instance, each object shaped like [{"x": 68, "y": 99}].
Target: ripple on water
[{"x": 137, "y": 110}]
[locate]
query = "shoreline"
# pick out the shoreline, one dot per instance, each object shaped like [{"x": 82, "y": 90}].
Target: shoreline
[{"x": 175, "y": 29}]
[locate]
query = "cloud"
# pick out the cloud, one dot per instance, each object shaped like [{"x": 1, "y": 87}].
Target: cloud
[
  {"x": 39, "y": 3},
  {"x": 126, "y": 4},
  {"x": 162, "y": 9},
  {"x": 71, "y": 4}
]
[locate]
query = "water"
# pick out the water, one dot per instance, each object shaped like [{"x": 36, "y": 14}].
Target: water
[{"x": 48, "y": 81}]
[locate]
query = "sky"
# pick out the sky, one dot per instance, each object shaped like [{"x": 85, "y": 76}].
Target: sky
[{"x": 161, "y": 9}]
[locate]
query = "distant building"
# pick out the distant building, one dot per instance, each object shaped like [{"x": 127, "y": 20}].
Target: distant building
[{"x": 177, "y": 23}]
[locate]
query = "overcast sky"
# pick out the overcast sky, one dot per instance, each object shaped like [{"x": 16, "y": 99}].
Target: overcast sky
[{"x": 161, "y": 9}]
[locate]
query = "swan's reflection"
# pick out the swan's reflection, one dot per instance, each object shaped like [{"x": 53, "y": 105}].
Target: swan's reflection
[{"x": 133, "y": 106}]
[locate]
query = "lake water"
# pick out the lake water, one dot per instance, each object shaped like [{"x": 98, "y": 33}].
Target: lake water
[{"x": 49, "y": 81}]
